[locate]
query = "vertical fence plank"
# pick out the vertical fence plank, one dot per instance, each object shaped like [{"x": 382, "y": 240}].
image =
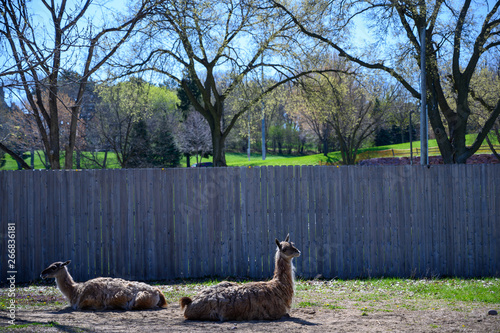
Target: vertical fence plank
[
  {"x": 494, "y": 213},
  {"x": 493, "y": 232},
  {"x": 220, "y": 221},
  {"x": 64, "y": 220},
  {"x": 324, "y": 224},
  {"x": 121, "y": 226},
  {"x": 114, "y": 221},
  {"x": 33, "y": 269},
  {"x": 141, "y": 223},
  {"x": 244, "y": 260},
  {"x": 337, "y": 259},
  {"x": 168, "y": 205},
  {"x": 149, "y": 236},
  {"x": 159, "y": 234},
  {"x": 229, "y": 225},
  {"x": 106, "y": 185},
  {"x": 237, "y": 242},
  {"x": 251, "y": 201},
  {"x": 406, "y": 214},
  {"x": 181, "y": 191},
  {"x": 99, "y": 223},
  {"x": 266, "y": 237},
  {"x": 194, "y": 223}
]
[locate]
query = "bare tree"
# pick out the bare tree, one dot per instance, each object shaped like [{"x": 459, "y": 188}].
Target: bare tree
[
  {"x": 458, "y": 33},
  {"x": 193, "y": 136},
  {"x": 38, "y": 52},
  {"x": 350, "y": 110}
]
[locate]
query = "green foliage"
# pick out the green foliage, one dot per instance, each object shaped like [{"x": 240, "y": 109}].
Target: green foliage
[
  {"x": 163, "y": 151},
  {"x": 184, "y": 101},
  {"x": 152, "y": 150},
  {"x": 140, "y": 146},
  {"x": 130, "y": 114}
]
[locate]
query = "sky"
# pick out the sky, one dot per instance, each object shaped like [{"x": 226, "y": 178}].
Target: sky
[{"x": 363, "y": 35}]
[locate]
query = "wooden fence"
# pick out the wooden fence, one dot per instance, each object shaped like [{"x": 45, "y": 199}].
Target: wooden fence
[{"x": 348, "y": 222}]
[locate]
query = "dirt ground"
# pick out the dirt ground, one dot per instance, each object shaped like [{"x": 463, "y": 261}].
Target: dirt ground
[
  {"x": 311, "y": 319},
  {"x": 315, "y": 309},
  {"x": 301, "y": 320}
]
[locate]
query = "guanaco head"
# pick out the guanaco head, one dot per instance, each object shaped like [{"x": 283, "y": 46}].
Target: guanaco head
[
  {"x": 54, "y": 269},
  {"x": 287, "y": 249}
]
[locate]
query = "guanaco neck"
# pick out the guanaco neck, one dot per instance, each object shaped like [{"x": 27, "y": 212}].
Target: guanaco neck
[
  {"x": 66, "y": 284},
  {"x": 283, "y": 270}
]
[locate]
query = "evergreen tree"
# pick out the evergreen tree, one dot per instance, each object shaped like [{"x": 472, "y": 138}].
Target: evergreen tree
[
  {"x": 140, "y": 146},
  {"x": 164, "y": 152}
]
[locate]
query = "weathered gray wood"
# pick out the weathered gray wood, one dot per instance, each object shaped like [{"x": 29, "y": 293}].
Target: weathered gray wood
[
  {"x": 244, "y": 223},
  {"x": 234, "y": 183},
  {"x": 168, "y": 204},
  {"x": 165, "y": 224},
  {"x": 251, "y": 203}
]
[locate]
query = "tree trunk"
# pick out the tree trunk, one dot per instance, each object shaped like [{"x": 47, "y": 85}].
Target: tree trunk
[
  {"x": 54, "y": 153},
  {"x": 70, "y": 148},
  {"x": 219, "y": 154},
  {"x": 32, "y": 158},
  {"x": 325, "y": 146},
  {"x": 105, "y": 159}
]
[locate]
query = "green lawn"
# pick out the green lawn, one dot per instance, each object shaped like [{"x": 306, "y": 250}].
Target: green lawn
[{"x": 241, "y": 159}]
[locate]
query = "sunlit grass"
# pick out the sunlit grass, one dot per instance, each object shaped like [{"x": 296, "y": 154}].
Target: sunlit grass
[{"x": 241, "y": 159}]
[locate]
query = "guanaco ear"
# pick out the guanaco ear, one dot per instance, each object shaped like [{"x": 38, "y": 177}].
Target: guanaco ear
[
  {"x": 287, "y": 238},
  {"x": 278, "y": 243},
  {"x": 66, "y": 263}
]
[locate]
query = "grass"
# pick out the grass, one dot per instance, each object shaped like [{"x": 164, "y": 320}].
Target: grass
[
  {"x": 50, "y": 324},
  {"x": 390, "y": 294},
  {"x": 241, "y": 159}
]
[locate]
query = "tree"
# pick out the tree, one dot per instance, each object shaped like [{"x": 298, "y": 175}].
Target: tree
[
  {"x": 193, "y": 136},
  {"x": 163, "y": 150},
  {"x": 311, "y": 114},
  {"x": 186, "y": 107},
  {"x": 38, "y": 53},
  {"x": 205, "y": 38},
  {"x": 152, "y": 148},
  {"x": 457, "y": 34},
  {"x": 122, "y": 105},
  {"x": 487, "y": 90},
  {"x": 342, "y": 102},
  {"x": 139, "y": 146}
]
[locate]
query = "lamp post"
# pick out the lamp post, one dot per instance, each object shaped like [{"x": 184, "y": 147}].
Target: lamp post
[
  {"x": 263, "y": 114},
  {"x": 248, "y": 150},
  {"x": 424, "y": 154},
  {"x": 411, "y": 140}
]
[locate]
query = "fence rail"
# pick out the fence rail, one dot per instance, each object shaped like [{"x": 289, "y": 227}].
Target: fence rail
[
  {"x": 416, "y": 152},
  {"x": 163, "y": 224}
]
